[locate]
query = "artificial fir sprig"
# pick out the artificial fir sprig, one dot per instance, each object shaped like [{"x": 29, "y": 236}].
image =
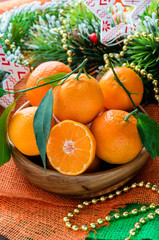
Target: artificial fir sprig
[
  {"x": 154, "y": 7},
  {"x": 80, "y": 25},
  {"x": 15, "y": 27},
  {"x": 144, "y": 49}
]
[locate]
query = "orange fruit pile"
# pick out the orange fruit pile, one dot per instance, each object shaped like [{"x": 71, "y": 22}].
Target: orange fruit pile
[{"x": 73, "y": 148}]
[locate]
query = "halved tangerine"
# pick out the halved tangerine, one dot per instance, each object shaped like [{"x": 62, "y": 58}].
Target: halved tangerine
[{"x": 71, "y": 147}]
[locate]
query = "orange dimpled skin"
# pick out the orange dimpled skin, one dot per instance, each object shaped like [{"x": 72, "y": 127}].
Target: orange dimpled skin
[
  {"x": 70, "y": 147},
  {"x": 79, "y": 100},
  {"x": 21, "y": 131},
  {"x": 117, "y": 141},
  {"x": 42, "y": 71},
  {"x": 115, "y": 96}
]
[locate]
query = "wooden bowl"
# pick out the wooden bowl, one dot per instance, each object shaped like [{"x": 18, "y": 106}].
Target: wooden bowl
[{"x": 86, "y": 185}]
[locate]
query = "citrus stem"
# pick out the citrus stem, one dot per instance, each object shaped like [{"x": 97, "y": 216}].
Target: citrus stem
[
  {"x": 120, "y": 83},
  {"x": 79, "y": 73},
  {"x": 126, "y": 119},
  {"x": 84, "y": 70},
  {"x": 57, "y": 80}
]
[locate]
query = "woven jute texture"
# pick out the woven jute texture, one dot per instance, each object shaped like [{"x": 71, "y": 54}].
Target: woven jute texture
[{"x": 27, "y": 212}]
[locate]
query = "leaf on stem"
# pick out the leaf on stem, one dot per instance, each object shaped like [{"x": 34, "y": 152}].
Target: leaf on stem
[
  {"x": 58, "y": 77},
  {"x": 149, "y": 133},
  {"x": 4, "y": 147},
  {"x": 42, "y": 124},
  {"x": 2, "y": 92}
]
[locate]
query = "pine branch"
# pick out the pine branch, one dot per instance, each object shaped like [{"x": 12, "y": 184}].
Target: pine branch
[{"x": 144, "y": 51}]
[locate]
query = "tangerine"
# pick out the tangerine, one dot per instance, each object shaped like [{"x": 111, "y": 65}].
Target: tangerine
[
  {"x": 78, "y": 100},
  {"x": 44, "y": 70},
  {"x": 95, "y": 165},
  {"x": 117, "y": 141},
  {"x": 115, "y": 96},
  {"x": 70, "y": 147},
  {"x": 21, "y": 131}
]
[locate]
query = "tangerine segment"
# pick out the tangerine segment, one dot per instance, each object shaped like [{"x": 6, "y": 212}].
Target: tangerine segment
[
  {"x": 117, "y": 141},
  {"x": 71, "y": 147},
  {"x": 115, "y": 96},
  {"x": 44, "y": 70},
  {"x": 78, "y": 100}
]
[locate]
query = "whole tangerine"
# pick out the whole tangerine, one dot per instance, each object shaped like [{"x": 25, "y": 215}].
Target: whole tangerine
[
  {"x": 21, "y": 131},
  {"x": 78, "y": 100},
  {"x": 117, "y": 141},
  {"x": 115, "y": 96},
  {"x": 44, "y": 70}
]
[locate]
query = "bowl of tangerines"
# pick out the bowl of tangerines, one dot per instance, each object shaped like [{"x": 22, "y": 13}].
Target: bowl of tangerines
[{"x": 78, "y": 136}]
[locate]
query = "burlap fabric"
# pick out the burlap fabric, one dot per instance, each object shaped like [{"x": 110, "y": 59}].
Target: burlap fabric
[{"x": 27, "y": 212}]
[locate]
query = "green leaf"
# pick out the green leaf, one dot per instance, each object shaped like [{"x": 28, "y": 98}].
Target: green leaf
[
  {"x": 4, "y": 147},
  {"x": 2, "y": 92},
  {"x": 149, "y": 133},
  {"x": 42, "y": 124},
  {"x": 58, "y": 77}
]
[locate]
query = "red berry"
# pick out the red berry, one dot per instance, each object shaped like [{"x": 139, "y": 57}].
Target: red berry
[{"x": 94, "y": 38}]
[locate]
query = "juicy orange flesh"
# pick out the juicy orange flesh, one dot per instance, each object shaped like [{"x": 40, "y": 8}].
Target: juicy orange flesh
[{"x": 70, "y": 148}]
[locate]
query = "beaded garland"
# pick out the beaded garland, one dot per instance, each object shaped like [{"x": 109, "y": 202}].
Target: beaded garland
[{"x": 116, "y": 216}]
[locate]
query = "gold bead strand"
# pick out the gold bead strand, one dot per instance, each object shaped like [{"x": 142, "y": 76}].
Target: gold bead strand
[
  {"x": 142, "y": 221},
  {"x": 149, "y": 76},
  {"x": 86, "y": 203},
  {"x": 69, "y": 52},
  {"x": 116, "y": 216},
  {"x": 7, "y": 42},
  {"x": 64, "y": 36},
  {"x": 105, "y": 57}
]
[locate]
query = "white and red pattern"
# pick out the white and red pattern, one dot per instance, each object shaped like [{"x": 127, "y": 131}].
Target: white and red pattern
[
  {"x": 100, "y": 9},
  {"x": 17, "y": 72}
]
